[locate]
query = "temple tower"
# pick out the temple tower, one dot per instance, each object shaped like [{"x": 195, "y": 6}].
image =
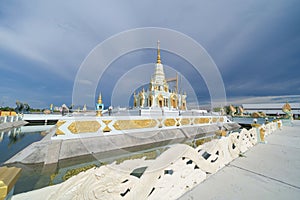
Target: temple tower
[{"x": 159, "y": 94}]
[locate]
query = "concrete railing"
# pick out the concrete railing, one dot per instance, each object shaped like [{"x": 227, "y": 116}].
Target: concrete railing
[
  {"x": 94, "y": 126},
  {"x": 4, "y": 119},
  {"x": 169, "y": 176}
]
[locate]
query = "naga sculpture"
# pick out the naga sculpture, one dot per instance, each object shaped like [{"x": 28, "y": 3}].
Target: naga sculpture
[
  {"x": 22, "y": 108},
  {"x": 232, "y": 110},
  {"x": 286, "y": 108},
  {"x": 241, "y": 111}
]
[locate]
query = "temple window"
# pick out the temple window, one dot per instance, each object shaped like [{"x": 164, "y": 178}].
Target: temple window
[
  {"x": 141, "y": 102},
  {"x": 160, "y": 102}
]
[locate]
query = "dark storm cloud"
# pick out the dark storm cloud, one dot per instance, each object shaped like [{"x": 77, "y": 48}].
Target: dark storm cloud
[{"x": 255, "y": 43}]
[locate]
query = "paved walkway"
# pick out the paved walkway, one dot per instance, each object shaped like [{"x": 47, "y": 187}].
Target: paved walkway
[{"x": 268, "y": 171}]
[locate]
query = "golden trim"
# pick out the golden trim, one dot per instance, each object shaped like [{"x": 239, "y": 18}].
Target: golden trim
[
  {"x": 221, "y": 133},
  {"x": 221, "y": 119},
  {"x": 201, "y": 120},
  {"x": 84, "y": 127},
  {"x": 177, "y": 121},
  {"x": 59, "y": 124},
  {"x": 7, "y": 113},
  {"x": 262, "y": 134},
  {"x": 106, "y": 128},
  {"x": 214, "y": 119},
  {"x": 174, "y": 100},
  {"x": 59, "y": 132},
  {"x": 170, "y": 122},
  {"x": 134, "y": 124},
  {"x": 8, "y": 179},
  {"x": 255, "y": 125},
  {"x": 185, "y": 121},
  {"x": 160, "y": 124}
]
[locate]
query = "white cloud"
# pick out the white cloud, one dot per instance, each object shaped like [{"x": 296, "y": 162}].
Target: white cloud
[
  {"x": 86, "y": 82},
  {"x": 264, "y": 99}
]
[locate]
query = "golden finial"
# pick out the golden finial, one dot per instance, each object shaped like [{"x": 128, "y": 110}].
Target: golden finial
[
  {"x": 99, "y": 99},
  {"x": 158, "y": 53}
]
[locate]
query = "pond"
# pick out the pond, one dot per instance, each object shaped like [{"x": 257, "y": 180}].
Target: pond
[
  {"x": 35, "y": 176},
  {"x": 14, "y": 140}
]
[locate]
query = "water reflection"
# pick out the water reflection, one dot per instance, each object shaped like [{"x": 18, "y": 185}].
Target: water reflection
[
  {"x": 14, "y": 140},
  {"x": 34, "y": 176},
  {"x": 14, "y": 135}
]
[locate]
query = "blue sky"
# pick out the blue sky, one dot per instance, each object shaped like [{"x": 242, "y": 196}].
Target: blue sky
[{"x": 255, "y": 45}]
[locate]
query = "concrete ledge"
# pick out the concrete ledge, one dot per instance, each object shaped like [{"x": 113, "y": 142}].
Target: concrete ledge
[
  {"x": 52, "y": 155},
  {"x": 85, "y": 146},
  {"x": 34, "y": 153},
  {"x": 9, "y": 125},
  {"x": 50, "y": 152}
]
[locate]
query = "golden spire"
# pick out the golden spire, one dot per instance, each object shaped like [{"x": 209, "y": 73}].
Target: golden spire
[
  {"x": 158, "y": 53},
  {"x": 99, "y": 99}
]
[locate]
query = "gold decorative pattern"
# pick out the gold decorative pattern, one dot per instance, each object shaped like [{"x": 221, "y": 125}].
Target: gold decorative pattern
[
  {"x": 170, "y": 122},
  {"x": 7, "y": 113},
  {"x": 106, "y": 128},
  {"x": 214, "y": 120},
  {"x": 59, "y": 132},
  {"x": 221, "y": 133},
  {"x": 221, "y": 119},
  {"x": 185, "y": 121},
  {"x": 201, "y": 120},
  {"x": 177, "y": 122},
  {"x": 255, "y": 125},
  {"x": 58, "y": 124},
  {"x": 174, "y": 100},
  {"x": 262, "y": 134},
  {"x": 160, "y": 100},
  {"x": 160, "y": 124},
  {"x": 134, "y": 124},
  {"x": 84, "y": 126}
]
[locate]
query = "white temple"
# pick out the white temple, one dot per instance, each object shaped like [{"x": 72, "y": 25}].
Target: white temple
[{"x": 159, "y": 95}]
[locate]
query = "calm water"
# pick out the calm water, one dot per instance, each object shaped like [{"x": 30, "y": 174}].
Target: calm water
[
  {"x": 35, "y": 176},
  {"x": 249, "y": 120},
  {"x": 14, "y": 140}
]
